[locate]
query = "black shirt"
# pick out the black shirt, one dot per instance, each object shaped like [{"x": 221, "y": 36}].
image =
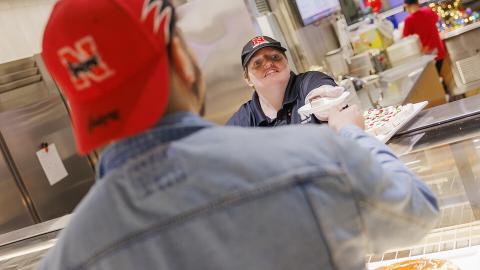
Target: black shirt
[{"x": 250, "y": 114}]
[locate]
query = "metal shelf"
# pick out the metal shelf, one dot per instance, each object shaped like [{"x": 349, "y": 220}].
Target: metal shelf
[
  {"x": 456, "y": 215},
  {"x": 444, "y": 243}
]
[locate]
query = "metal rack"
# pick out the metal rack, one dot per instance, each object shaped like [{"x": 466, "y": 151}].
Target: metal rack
[{"x": 459, "y": 244}]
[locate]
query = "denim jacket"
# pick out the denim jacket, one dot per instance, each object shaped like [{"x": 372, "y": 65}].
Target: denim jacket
[{"x": 188, "y": 194}]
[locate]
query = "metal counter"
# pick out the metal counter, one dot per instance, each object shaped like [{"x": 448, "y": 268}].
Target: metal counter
[
  {"x": 443, "y": 114},
  {"x": 463, "y": 46},
  {"x": 442, "y": 146},
  {"x": 24, "y": 248}
]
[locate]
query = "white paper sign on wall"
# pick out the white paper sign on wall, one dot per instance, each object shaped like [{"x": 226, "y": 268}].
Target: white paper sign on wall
[{"x": 52, "y": 164}]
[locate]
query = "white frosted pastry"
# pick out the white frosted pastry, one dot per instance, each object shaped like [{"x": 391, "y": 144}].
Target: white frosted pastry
[{"x": 382, "y": 121}]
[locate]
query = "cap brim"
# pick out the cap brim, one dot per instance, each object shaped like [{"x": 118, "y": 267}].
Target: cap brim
[
  {"x": 121, "y": 113},
  {"x": 261, "y": 46}
]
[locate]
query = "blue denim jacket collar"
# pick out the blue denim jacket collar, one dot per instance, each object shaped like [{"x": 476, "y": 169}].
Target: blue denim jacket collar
[{"x": 171, "y": 127}]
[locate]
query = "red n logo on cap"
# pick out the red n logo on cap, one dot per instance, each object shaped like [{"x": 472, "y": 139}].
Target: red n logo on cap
[
  {"x": 257, "y": 41},
  {"x": 84, "y": 63}
]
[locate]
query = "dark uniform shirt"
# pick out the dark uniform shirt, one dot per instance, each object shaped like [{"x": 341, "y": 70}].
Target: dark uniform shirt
[{"x": 251, "y": 114}]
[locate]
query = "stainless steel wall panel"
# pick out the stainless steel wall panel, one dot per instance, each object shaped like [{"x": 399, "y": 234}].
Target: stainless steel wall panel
[
  {"x": 13, "y": 211},
  {"x": 22, "y": 82},
  {"x": 24, "y": 130},
  {"x": 464, "y": 45},
  {"x": 18, "y": 75},
  {"x": 23, "y": 96},
  {"x": 46, "y": 78},
  {"x": 19, "y": 83},
  {"x": 18, "y": 65}
]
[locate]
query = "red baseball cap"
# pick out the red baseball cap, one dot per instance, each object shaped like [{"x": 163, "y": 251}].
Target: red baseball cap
[{"x": 110, "y": 60}]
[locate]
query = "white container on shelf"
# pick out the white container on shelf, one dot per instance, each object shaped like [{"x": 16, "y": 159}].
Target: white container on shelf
[
  {"x": 336, "y": 62},
  {"x": 404, "y": 50},
  {"x": 361, "y": 65}
]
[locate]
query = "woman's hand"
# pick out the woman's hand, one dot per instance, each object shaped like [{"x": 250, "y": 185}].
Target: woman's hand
[
  {"x": 350, "y": 116},
  {"x": 324, "y": 91}
]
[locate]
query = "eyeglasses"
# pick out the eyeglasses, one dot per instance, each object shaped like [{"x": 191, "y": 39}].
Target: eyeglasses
[{"x": 259, "y": 62}]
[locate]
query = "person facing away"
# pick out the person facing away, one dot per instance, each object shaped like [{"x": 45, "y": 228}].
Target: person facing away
[
  {"x": 278, "y": 92},
  {"x": 175, "y": 191},
  {"x": 423, "y": 22}
]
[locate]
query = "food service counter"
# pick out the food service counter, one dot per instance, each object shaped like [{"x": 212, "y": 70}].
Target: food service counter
[{"x": 442, "y": 146}]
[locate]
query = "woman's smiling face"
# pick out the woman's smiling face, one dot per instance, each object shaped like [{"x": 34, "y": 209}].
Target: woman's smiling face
[{"x": 268, "y": 68}]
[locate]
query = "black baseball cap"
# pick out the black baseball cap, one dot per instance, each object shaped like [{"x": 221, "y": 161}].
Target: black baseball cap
[{"x": 256, "y": 44}]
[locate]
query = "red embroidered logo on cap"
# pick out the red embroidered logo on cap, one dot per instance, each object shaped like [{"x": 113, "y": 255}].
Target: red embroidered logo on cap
[
  {"x": 161, "y": 14},
  {"x": 258, "y": 40},
  {"x": 84, "y": 63}
]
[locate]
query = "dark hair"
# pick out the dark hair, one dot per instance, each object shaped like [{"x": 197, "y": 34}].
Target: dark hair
[{"x": 410, "y": 2}]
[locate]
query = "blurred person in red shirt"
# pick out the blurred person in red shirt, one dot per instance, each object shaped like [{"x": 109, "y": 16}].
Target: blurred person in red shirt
[{"x": 422, "y": 21}]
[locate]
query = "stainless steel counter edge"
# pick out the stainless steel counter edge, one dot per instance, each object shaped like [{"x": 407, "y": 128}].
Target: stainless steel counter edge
[
  {"x": 459, "y": 31},
  {"x": 34, "y": 230},
  {"x": 442, "y": 114}
]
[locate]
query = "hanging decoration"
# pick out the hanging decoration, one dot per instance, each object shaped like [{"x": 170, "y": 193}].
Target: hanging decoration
[{"x": 453, "y": 14}]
